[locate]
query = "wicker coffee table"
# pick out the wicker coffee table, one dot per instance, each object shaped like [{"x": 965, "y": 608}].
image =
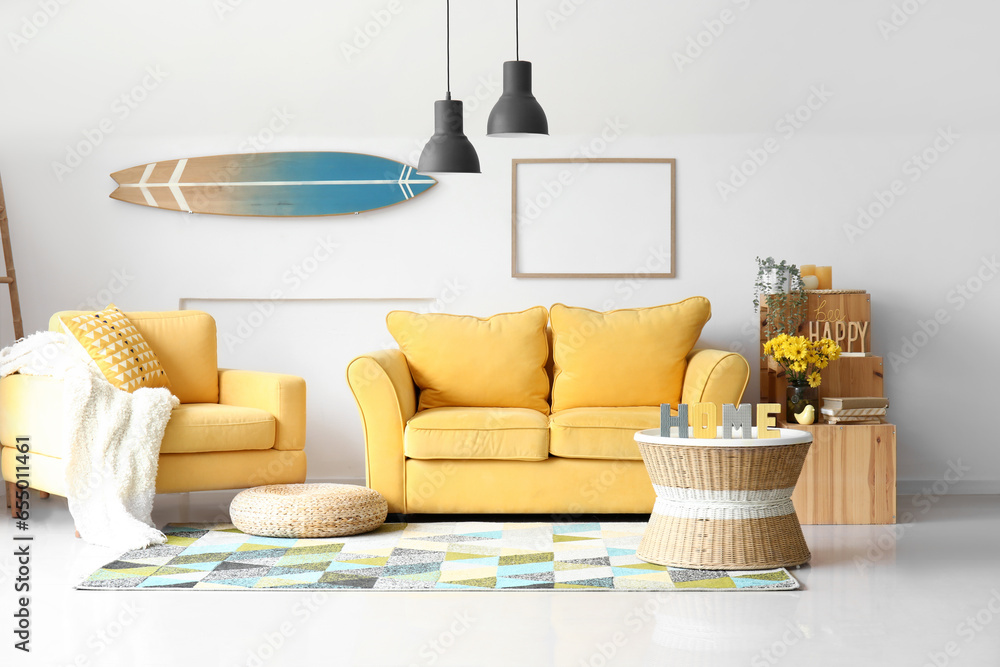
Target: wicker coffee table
[
  {"x": 724, "y": 504},
  {"x": 308, "y": 510}
]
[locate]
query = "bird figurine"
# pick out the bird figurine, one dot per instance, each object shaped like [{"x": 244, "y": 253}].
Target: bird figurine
[{"x": 807, "y": 416}]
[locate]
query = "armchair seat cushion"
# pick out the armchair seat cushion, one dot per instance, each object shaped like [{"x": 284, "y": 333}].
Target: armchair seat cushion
[
  {"x": 505, "y": 434},
  {"x": 209, "y": 427},
  {"x": 600, "y": 433}
]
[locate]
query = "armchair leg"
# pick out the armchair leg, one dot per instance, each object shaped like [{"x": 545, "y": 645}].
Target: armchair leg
[
  {"x": 43, "y": 494},
  {"x": 11, "y": 499}
]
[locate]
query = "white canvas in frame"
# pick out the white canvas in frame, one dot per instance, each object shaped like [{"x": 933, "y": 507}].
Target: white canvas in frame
[{"x": 593, "y": 218}]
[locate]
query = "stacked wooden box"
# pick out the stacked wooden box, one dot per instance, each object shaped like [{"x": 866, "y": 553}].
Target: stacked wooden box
[{"x": 849, "y": 476}]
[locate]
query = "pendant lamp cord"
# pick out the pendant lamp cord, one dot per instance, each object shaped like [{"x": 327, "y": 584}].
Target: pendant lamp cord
[
  {"x": 517, "y": 35},
  {"x": 447, "y": 24}
]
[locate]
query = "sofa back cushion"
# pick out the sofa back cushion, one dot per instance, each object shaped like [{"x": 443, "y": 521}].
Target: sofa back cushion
[
  {"x": 185, "y": 343},
  {"x": 620, "y": 358},
  {"x": 464, "y": 361}
]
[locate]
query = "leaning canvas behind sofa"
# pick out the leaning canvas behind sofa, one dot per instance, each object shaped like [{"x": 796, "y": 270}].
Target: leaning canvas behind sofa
[
  {"x": 233, "y": 429},
  {"x": 501, "y": 415}
]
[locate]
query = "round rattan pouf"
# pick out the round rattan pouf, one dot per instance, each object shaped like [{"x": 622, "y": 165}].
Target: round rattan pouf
[
  {"x": 724, "y": 503},
  {"x": 308, "y": 510}
]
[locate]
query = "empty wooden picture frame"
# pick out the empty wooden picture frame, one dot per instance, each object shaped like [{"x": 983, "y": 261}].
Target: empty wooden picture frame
[{"x": 593, "y": 218}]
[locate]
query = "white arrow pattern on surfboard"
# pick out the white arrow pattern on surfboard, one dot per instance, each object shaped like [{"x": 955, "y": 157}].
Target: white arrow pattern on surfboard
[{"x": 175, "y": 185}]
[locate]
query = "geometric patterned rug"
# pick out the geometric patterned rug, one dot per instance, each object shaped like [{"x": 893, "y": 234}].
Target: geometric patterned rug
[{"x": 462, "y": 555}]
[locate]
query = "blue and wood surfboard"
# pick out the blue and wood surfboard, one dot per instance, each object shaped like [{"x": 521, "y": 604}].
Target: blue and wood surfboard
[{"x": 272, "y": 184}]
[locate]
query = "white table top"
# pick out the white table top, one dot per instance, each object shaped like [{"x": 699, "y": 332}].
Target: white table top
[{"x": 789, "y": 436}]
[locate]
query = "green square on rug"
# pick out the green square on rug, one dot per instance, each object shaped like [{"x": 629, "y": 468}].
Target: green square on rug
[{"x": 456, "y": 555}]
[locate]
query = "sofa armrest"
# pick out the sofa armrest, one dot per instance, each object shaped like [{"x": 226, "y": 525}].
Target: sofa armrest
[
  {"x": 715, "y": 376},
  {"x": 284, "y": 396},
  {"x": 384, "y": 391}
]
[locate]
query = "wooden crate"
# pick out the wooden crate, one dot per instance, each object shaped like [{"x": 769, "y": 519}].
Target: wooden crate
[
  {"x": 849, "y": 475},
  {"x": 848, "y": 376},
  {"x": 847, "y": 315}
]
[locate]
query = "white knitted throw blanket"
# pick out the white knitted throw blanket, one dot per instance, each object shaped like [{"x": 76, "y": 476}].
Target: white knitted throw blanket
[{"x": 112, "y": 439}]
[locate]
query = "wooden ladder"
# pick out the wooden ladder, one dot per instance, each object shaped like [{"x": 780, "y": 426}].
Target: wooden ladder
[{"x": 10, "y": 279}]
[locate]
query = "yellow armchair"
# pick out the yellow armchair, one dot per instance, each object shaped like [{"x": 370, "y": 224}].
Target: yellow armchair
[{"x": 233, "y": 429}]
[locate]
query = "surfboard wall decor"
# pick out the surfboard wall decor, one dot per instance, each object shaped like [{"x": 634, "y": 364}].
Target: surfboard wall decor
[{"x": 272, "y": 184}]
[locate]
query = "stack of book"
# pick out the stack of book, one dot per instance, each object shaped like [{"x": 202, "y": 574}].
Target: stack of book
[{"x": 855, "y": 410}]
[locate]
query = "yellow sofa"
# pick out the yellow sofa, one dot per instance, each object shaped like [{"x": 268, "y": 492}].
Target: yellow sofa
[
  {"x": 560, "y": 457},
  {"x": 233, "y": 428}
]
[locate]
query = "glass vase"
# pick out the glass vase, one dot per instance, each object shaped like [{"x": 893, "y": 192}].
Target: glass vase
[{"x": 799, "y": 395}]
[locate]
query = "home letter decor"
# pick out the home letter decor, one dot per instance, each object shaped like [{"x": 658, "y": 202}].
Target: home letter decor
[
  {"x": 667, "y": 420},
  {"x": 737, "y": 418}
]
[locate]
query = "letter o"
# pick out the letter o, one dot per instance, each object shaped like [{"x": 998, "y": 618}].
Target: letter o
[
  {"x": 974, "y": 284},
  {"x": 306, "y": 264},
  {"x": 598, "y": 145},
  {"x": 265, "y": 652}
]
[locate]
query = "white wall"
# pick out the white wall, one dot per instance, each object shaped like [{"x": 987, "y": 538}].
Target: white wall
[{"x": 226, "y": 75}]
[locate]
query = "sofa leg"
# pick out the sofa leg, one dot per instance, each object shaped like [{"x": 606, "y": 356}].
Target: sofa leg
[
  {"x": 76, "y": 534},
  {"x": 43, "y": 494}
]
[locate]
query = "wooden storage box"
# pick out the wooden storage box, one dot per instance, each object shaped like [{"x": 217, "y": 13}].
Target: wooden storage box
[
  {"x": 848, "y": 376},
  {"x": 849, "y": 476},
  {"x": 844, "y": 318}
]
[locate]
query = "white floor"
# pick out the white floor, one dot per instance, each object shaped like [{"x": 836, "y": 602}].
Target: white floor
[{"x": 927, "y": 593}]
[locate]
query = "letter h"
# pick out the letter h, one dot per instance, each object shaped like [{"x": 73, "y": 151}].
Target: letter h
[{"x": 667, "y": 420}]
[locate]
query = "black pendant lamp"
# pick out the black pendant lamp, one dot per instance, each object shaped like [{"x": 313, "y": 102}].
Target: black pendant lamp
[
  {"x": 517, "y": 112},
  {"x": 449, "y": 150}
]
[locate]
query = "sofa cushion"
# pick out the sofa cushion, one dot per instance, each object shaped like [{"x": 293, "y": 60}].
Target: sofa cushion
[
  {"x": 185, "y": 342},
  {"x": 120, "y": 351},
  {"x": 464, "y": 361},
  {"x": 209, "y": 427},
  {"x": 508, "y": 434},
  {"x": 620, "y": 358},
  {"x": 600, "y": 433}
]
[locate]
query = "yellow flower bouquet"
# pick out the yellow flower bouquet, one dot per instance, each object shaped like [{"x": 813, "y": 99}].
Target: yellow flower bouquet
[{"x": 802, "y": 358}]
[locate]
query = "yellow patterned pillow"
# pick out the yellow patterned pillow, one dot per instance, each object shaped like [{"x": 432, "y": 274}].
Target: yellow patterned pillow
[{"x": 120, "y": 351}]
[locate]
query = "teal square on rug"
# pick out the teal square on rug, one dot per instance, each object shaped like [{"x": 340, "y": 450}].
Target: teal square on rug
[{"x": 456, "y": 555}]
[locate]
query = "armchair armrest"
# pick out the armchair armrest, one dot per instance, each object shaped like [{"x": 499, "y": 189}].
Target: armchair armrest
[
  {"x": 32, "y": 405},
  {"x": 715, "y": 376},
  {"x": 284, "y": 396},
  {"x": 384, "y": 391}
]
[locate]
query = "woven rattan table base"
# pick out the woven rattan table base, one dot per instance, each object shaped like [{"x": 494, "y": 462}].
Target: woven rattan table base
[{"x": 719, "y": 544}]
